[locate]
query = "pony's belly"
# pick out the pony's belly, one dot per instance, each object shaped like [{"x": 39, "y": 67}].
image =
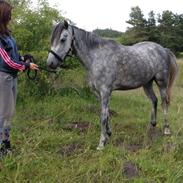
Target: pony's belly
[
  {"x": 126, "y": 87},
  {"x": 130, "y": 84}
]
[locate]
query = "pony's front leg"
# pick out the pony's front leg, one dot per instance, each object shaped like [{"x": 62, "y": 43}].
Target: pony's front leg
[{"x": 104, "y": 119}]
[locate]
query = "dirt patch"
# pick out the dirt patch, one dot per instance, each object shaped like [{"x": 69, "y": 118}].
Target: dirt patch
[
  {"x": 131, "y": 128},
  {"x": 169, "y": 147},
  {"x": 119, "y": 142},
  {"x": 134, "y": 147},
  {"x": 70, "y": 149},
  {"x": 81, "y": 126},
  {"x": 130, "y": 139},
  {"x": 130, "y": 170},
  {"x": 154, "y": 133}
]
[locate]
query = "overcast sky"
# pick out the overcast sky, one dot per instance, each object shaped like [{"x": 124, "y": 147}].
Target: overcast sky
[{"x": 92, "y": 14}]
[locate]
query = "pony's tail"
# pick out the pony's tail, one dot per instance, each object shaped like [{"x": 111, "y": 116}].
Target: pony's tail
[{"x": 173, "y": 73}]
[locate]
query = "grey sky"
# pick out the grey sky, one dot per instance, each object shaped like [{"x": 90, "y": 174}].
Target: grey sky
[{"x": 92, "y": 14}]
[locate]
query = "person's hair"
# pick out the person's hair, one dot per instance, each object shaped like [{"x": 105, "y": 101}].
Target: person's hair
[{"x": 5, "y": 17}]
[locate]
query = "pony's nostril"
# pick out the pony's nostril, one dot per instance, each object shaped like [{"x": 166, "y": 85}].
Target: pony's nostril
[{"x": 52, "y": 66}]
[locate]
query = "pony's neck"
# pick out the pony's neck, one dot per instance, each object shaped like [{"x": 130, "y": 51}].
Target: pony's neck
[{"x": 84, "y": 43}]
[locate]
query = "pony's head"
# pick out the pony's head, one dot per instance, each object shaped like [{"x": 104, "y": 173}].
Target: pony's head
[{"x": 61, "y": 44}]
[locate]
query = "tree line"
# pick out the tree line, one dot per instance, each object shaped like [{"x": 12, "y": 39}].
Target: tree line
[
  {"x": 165, "y": 29},
  {"x": 107, "y": 33}
]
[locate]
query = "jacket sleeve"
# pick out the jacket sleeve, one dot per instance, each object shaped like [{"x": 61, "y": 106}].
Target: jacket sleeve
[{"x": 12, "y": 63}]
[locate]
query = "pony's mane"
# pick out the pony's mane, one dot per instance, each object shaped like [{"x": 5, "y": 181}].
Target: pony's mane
[
  {"x": 91, "y": 39},
  {"x": 57, "y": 31}
]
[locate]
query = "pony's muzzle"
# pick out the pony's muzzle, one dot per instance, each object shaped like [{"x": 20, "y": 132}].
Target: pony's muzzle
[
  {"x": 52, "y": 66},
  {"x": 52, "y": 63}
]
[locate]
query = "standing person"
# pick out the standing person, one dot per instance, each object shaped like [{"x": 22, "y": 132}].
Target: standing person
[{"x": 10, "y": 64}]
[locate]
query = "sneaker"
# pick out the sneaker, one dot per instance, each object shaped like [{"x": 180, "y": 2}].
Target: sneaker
[
  {"x": 5, "y": 147},
  {"x": 6, "y": 144}
]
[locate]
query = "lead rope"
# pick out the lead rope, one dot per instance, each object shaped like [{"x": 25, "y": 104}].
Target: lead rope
[{"x": 34, "y": 75}]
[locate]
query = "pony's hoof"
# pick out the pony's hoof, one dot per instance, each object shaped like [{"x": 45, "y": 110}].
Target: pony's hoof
[
  {"x": 99, "y": 148},
  {"x": 167, "y": 131}
]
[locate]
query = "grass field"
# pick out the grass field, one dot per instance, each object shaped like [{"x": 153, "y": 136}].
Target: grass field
[{"x": 55, "y": 138}]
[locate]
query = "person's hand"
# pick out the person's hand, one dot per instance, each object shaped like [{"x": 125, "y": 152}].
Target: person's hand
[
  {"x": 34, "y": 66},
  {"x": 28, "y": 58}
]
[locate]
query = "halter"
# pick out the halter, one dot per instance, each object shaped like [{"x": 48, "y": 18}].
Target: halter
[
  {"x": 56, "y": 55},
  {"x": 70, "y": 50}
]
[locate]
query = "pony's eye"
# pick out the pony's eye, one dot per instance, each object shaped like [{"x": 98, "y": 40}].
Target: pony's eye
[{"x": 63, "y": 40}]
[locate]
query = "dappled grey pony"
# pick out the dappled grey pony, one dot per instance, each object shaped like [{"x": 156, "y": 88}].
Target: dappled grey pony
[{"x": 112, "y": 66}]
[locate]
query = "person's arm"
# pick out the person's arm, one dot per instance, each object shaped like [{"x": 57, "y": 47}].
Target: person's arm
[
  {"x": 12, "y": 63},
  {"x": 16, "y": 65}
]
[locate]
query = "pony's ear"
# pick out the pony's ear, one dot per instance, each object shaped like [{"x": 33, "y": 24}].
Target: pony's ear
[{"x": 66, "y": 24}]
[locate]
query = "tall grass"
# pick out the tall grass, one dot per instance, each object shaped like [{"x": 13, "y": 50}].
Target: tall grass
[{"x": 55, "y": 138}]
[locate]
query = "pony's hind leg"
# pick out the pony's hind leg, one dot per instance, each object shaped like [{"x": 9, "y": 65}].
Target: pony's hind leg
[
  {"x": 148, "y": 89},
  {"x": 165, "y": 102},
  {"x": 163, "y": 88}
]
